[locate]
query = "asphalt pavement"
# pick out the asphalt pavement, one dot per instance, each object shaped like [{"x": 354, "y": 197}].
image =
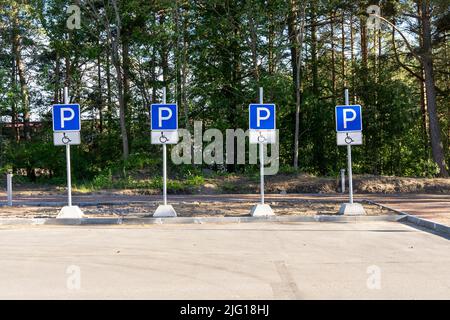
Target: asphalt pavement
[{"x": 271, "y": 260}]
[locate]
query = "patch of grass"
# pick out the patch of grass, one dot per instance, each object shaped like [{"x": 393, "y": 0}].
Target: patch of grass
[
  {"x": 286, "y": 169},
  {"x": 106, "y": 181},
  {"x": 82, "y": 189},
  {"x": 195, "y": 181},
  {"x": 229, "y": 187}
]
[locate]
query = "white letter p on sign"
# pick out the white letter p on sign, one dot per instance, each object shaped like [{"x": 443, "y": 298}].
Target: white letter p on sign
[
  {"x": 259, "y": 117},
  {"x": 349, "y": 119},
  {"x": 63, "y": 118},
  {"x": 160, "y": 116}
]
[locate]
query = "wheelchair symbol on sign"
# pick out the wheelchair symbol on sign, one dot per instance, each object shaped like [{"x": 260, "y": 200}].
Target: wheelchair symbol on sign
[
  {"x": 348, "y": 139},
  {"x": 65, "y": 139},
  {"x": 163, "y": 138},
  {"x": 261, "y": 138}
]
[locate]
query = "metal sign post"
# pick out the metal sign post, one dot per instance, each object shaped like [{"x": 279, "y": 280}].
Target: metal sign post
[
  {"x": 165, "y": 174},
  {"x": 261, "y": 154},
  {"x": 353, "y": 136},
  {"x": 164, "y": 159},
  {"x": 69, "y": 175},
  {"x": 164, "y": 126},
  {"x": 262, "y": 134},
  {"x": 72, "y": 124},
  {"x": 349, "y": 160},
  {"x": 9, "y": 177}
]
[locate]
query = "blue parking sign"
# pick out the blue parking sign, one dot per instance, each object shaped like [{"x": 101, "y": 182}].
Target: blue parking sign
[
  {"x": 66, "y": 117},
  {"x": 262, "y": 117},
  {"x": 348, "y": 118},
  {"x": 164, "y": 117}
]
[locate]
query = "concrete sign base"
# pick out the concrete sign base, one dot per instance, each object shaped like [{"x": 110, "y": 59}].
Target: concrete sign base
[
  {"x": 165, "y": 211},
  {"x": 70, "y": 212},
  {"x": 352, "y": 209},
  {"x": 261, "y": 210}
]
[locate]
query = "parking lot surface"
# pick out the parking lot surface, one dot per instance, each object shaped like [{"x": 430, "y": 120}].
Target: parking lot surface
[{"x": 363, "y": 260}]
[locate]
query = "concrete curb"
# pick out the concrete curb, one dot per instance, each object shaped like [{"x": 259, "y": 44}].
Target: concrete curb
[
  {"x": 152, "y": 202},
  {"x": 427, "y": 224},
  {"x": 80, "y": 204},
  {"x": 193, "y": 220}
]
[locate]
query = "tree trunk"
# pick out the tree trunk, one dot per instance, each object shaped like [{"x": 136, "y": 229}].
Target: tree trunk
[
  {"x": 293, "y": 45},
  {"x": 253, "y": 49},
  {"x": 333, "y": 58},
  {"x": 108, "y": 86},
  {"x": 319, "y": 148},
  {"x": 315, "y": 70},
  {"x": 447, "y": 80},
  {"x": 296, "y": 43},
  {"x": 153, "y": 75},
  {"x": 14, "y": 115},
  {"x": 184, "y": 70},
  {"x": 435, "y": 130},
  {"x": 271, "y": 37},
  {"x": 123, "y": 126},
  {"x": 99, "y": 94},
  {"x": 423, "y": 105},
  {"x": 364, "y": 53},
  {"x": 344, "y": 79},
  {"x": 179, "y": 58},
  {"x": 67, "y": 63},
  {"x": 423, "y": 110},
  {"x": 119, "y": 79},
  {"x": 126, "y": 80},
  {"x": 17, "y": 46}
]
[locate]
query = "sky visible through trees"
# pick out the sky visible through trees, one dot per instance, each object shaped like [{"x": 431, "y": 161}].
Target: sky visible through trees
[{"x": 116, "y": 56}]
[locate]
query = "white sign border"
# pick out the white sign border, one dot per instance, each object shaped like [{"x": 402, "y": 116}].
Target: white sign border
[
  {"x": 79, "y": 118},
  {"x": 264, "y": 104},
  {"x": 163, "y": 104},
  {"x": 350, "y": 105}
]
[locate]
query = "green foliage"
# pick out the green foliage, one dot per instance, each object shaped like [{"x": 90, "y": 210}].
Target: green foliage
[
  {"x": 212, "y": 56},
  {"x": 106, "y": 181},
  {"x": 102, "y": 180}
]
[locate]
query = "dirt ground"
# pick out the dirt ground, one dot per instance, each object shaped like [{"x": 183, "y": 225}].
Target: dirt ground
[
  {"x": 280, "y": 183},
  {"x": 191, "y": 209},
  {"x": 412, "y": 195},
  {"x": 304, "y": 183}
]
